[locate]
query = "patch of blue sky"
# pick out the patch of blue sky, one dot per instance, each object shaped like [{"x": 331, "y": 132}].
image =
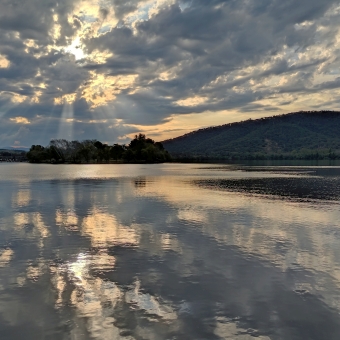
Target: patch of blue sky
[
  {"x": 290, "y": 54},
  {"x": 183, "y": 5},
  {"x": 141, "y": 14},
  {"x": 104, "y": 29},
  {"x": 334, "y": 71},
  {"x": 87, "y": 18}
]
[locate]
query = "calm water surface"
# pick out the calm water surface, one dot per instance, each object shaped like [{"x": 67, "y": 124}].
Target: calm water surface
[{"x": 173, "y": 251}]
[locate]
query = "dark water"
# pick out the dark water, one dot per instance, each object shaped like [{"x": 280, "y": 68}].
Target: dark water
[{"x": 174, "y": 251}]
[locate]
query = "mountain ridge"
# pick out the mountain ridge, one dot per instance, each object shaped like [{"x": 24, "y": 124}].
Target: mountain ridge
[{"x": 303, "y": 134}]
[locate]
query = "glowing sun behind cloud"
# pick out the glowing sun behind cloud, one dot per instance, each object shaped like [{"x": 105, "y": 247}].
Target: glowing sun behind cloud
[{"x": 76, "y": 49}]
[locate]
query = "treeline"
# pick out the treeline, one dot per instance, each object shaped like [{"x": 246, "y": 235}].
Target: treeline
[
  {"x": 139, "y": 150},
  {"x": 12, "y": 156}
]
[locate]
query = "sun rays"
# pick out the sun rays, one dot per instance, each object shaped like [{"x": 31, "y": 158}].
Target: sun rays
[
  {"x": 66, "y": 122},
  {"x": 70, "y": 97}
]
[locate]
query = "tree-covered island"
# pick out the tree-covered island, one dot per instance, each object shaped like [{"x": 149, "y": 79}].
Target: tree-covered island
[{"x": 139, "y": 150}]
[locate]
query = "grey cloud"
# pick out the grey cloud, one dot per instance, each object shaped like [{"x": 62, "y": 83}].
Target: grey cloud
[
  {"x": 205, "y": 48},
  {"x": 65, "y": 76},
  {"x": 145, "y": 108},
  {"x": 123, "y": 7},
  {"x": 328, "y": 85},
  {"x": 227, "y": 41},
  {"x": 33, "y": 19}
]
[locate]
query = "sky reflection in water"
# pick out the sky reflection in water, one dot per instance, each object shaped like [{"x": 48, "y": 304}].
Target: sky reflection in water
[{"x": 169, "y": 252}]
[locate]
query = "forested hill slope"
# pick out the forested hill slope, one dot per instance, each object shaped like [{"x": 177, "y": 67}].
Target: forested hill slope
[{"x": 305, "y": 135}]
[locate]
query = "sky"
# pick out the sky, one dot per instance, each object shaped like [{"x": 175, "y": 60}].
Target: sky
[{"x": 108, "y": 69}]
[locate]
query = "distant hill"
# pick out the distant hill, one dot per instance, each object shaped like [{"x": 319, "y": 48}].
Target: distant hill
[
  {"x": 11, "y": 148},
  {"x": 298, "y": 135},
  {"x": 12, "y": 155}
]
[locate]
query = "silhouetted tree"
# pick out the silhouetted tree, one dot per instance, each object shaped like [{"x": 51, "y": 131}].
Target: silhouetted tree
[{"x": 140, "y": 149}]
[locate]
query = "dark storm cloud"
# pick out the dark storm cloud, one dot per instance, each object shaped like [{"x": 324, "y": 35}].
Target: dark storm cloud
[{"x": 230, "y": 53}]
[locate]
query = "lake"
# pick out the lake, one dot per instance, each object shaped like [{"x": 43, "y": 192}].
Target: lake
[{"x": 169, "y": 251}]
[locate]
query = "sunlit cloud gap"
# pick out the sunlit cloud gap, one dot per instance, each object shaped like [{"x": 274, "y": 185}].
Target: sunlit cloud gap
[{"x": 76, "y": 49}]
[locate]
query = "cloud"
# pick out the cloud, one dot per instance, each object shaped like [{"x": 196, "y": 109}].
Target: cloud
[
  {"x": 20, "y": 120},
  {"x": 148, "y": 62}
]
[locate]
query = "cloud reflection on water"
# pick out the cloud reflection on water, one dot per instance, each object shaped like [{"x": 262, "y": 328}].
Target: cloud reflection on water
[
  {"x": 104, "y": 230},
  {"x": 159, "y": 256}
]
